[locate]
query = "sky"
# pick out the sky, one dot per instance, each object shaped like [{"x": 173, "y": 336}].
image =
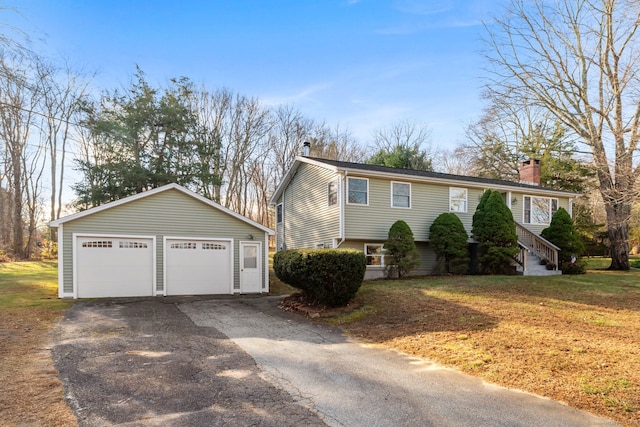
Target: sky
[{"x": 361, "y": 65}]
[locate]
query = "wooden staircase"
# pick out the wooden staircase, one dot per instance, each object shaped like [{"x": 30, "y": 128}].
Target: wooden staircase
[{"x": 533, "y": 250}]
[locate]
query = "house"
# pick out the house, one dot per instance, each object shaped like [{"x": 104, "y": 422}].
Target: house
[
  {"x": 329, "y": 204},
  {"x": 165, "y": 241}
]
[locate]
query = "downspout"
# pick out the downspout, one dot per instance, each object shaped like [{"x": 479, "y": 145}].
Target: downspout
[{"x": 343, "y": 183}]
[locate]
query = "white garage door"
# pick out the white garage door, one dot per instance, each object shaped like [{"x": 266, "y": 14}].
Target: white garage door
[
  {"x": 114, "y": 267},
  {"x": 198, "y": 267}
]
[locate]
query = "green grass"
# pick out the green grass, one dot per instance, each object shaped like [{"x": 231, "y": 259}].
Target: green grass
[
  {"x": 602, "y": 263},
  {"x": 28, "y": 285}
]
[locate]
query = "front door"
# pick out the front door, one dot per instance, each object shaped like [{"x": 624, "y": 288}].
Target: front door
[{"x": 250, "y": 267}]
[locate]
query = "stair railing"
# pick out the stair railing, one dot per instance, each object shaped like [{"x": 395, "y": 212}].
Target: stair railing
[{"x": 540, "y": 247}]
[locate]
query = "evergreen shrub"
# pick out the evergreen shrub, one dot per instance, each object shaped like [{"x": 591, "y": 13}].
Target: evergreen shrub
[
  {"x": 449, "y": 240},
  {"x": 562, "y": 233},
  {"x": 494, "y": 229},
  {"x": 401, "y": 254},
  {"x": 329, "y": 277}
]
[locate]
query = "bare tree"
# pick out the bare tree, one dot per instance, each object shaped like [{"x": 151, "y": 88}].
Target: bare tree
[
  {"x": 63, "y": 92},
  {"x": 335, "y": 143},
  {"x": 18, "y": 99},
  {"x": 578, "y": 59}
]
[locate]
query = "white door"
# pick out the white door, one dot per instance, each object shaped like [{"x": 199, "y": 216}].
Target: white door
[
  {"x": 250, "y": 267},
  {"x": 198, "y": 267},
  {"x": 114, "y": 267}
]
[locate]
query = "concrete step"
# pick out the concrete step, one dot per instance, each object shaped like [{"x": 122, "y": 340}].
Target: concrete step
[{"x": 534, "y": 268}]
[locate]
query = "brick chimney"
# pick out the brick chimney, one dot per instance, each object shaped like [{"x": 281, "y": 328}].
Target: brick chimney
[{"x": 530, "y": 172}]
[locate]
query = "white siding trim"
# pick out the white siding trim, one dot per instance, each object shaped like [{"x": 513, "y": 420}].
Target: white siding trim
[
  {"x": 265, "y": 279},
  {"x": 74, "y": 240},
  {"x": 61, "y": 293},
  {"x": 164, "y": 258}
]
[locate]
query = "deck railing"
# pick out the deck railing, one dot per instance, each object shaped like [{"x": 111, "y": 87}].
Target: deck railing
[{"x": 541, "y": 247}]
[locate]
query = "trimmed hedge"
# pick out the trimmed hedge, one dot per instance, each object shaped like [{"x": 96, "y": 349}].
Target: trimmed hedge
[{"x": 327, "y": 276}]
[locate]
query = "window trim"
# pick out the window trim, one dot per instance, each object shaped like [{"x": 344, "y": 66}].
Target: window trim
[
  {"x": 392, "y": 194},
  {"x": 466, "y": 200},
  {"x": 336, "y": 191},
  {"x": 279, "y": 213},
  {"x": 349, "y": 178},
  {"x": 550, "y": 208},
  {"x": 382, "y": 255}
]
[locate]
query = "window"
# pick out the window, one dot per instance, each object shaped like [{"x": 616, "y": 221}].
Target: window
[
  {"x": 213, "y": 247},
  {"x": 98, "y": 244},
  {"x": 189, "y": 245},
  {"x": 457, "y": 199},
  {"x": 358, "y": 191},
  {"x": 375, "y": 254},
  {"x": 132, "y": 245},
  {"x": 332, "y": 193},
  {"x": 539, "y": 210},
  {"x": 400, "y": 195},
  {"x": 279, "y": 213}
]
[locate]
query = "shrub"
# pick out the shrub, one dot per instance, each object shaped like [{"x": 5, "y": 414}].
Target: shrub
[
  {"x": 330, "y": 277},
  {"x": 401, "y": 255},
  {"x": 448, "y": 238},
  {"x": 562, "y": 233},
  {"x": 494, "y": 229}
]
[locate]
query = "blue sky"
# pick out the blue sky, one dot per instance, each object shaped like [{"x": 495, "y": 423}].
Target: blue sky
[{"x": 359, "y": 64}]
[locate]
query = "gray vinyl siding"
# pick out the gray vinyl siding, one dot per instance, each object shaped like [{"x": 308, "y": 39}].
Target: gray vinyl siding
[
  {"x": 169, "y": 213},
  {"x": 372, "y": 221},
  {"x": 307, "y": 217}
]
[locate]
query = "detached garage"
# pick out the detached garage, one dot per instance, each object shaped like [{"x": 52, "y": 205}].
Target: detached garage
[{"x": 166, "y": 241}]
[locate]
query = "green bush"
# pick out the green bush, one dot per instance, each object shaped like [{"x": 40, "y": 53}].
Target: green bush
[
  {"x": 330, "y": 277},
  {"x": 562, "y": 233},
  {"x": 400, "y": 255},
  {"x": 494, "y": 229},
  {"x": 449, "y": 240}
]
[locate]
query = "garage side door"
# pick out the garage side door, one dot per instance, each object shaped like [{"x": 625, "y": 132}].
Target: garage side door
[
  {"x": 114, "y": 267},
  {"x": 198, "y": 267}
]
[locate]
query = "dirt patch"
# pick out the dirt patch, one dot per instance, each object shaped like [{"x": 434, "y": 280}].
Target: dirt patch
[{"x": 581, "y": 350}]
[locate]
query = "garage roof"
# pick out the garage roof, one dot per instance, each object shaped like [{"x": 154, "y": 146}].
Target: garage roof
[{"x": 148, "y": 193}]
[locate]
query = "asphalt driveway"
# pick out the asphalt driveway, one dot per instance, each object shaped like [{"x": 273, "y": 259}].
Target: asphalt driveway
[
  {"x": 144, "y": 363},
  {"x": 169, "y": 362}
]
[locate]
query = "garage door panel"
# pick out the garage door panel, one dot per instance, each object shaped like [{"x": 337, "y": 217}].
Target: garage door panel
[
  {"x": 198, "y": 267},
  {"x": 114, "y": 267}
]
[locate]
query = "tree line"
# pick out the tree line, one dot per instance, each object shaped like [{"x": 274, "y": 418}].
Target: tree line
[{"x": 562, "y": 87}]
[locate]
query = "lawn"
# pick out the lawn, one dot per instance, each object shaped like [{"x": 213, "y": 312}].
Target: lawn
[
  {"x": 575, "y": 339},
  {"x": 30, "y": 392},
  {"x": 571, "y": 338}
]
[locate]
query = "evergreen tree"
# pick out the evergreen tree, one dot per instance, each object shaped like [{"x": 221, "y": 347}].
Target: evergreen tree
[
  {"x": 494, "y": 228},
  {"x": 562, "y": 233},
  {"x": 448, "y": 238},
  {"x": 401, "y": 255}
]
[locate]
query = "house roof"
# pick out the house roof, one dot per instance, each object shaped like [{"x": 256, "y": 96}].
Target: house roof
[
  {"x": 362, "y": 169},
  {"x": 148, "y": 193}
]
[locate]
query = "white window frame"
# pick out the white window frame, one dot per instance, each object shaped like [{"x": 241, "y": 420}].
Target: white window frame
[
  {"x": 551, "y": 209},
  {"x": 392, "y": 194},
  {"x": 367, "y": 255},
  {"x": 336, "y": 185},
  {"x": 466, "y": 200},
  {"x": 349, "y": 178},
  {"x": 279, "y": 213}
]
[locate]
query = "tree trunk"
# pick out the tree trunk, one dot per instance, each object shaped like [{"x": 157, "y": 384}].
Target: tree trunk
[
  {"x": 617, "y": 219},
  {"x": 18, "y": 235}
]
